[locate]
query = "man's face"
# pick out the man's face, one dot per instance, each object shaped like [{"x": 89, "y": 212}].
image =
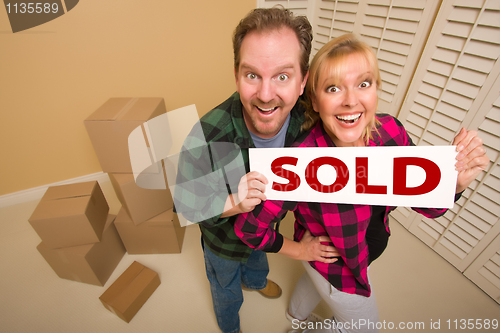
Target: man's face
[{"x": 269, "y": 79}]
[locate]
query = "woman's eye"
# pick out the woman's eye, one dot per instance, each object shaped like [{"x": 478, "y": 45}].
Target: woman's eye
[
  {"x": 332, "y": 89},
  {"x": 251, "y": 76},
  {"x": 365, "y": 84},
  {"x": 282, "y": 77}
]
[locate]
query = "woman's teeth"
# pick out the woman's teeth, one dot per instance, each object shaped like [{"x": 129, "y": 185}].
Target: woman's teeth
[{"x": 349, "y": 119}]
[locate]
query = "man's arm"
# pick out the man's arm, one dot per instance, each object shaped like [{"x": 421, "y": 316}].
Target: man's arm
[{"x": 200, "y": 190}]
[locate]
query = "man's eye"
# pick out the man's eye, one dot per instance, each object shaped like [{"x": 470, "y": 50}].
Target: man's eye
[
  {"x": 251, "y": 76},
  {"x": 282, "y": 77},
  {"x": 332, "y": 89}
]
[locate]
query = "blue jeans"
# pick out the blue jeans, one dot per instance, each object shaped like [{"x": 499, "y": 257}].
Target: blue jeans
[{"x": 225, "y": 277}]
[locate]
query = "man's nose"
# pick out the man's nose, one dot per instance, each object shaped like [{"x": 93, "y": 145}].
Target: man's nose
[{"x": 267, "y": 91}]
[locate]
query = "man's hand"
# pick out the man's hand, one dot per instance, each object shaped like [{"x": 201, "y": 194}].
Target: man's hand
[
  {"x": 310, "y": 249},
  {"x": 250, "y": 193},
  {"x": 471, "y": 158}
]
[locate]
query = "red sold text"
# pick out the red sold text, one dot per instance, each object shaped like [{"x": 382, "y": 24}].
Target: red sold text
[{"x": 400, "y": 166}]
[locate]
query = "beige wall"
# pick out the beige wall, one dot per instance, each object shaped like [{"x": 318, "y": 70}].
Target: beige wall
[{"x": 54, "y": 75}]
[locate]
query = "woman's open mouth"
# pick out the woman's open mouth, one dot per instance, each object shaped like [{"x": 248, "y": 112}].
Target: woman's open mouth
[{"x": 349, "y": 119}]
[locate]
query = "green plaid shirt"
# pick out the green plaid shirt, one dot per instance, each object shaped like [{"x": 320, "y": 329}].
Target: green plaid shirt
[{"x": 224, "y": 124}]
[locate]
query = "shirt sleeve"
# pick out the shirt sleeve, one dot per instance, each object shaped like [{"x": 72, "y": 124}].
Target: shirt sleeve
[
  {"x": 256, "y": 229},
  {"x": 435, "y": 212},
  {"x": 206, "y": 175},
  {"x": 427, "y": 212}
]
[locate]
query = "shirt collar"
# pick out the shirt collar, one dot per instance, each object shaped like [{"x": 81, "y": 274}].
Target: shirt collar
[{"x": 242, "y": 138}]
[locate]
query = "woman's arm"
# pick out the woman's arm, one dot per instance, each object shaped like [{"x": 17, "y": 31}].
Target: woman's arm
[{"x": 256, "y": 230}]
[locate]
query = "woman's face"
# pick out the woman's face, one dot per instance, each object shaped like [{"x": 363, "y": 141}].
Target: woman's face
[{"x": 347, "y": 106}]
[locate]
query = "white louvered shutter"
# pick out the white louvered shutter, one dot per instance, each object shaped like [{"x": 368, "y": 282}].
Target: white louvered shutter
[
  {"x": 333, "y": 19},
  {"x": 456, "y": 85}
]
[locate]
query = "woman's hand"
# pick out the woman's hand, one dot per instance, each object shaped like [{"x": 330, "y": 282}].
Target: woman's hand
[
  {"x": 310, "y": 249},
  {"x": 471, "y": 158},
  {"x": 314, "y": 248}
]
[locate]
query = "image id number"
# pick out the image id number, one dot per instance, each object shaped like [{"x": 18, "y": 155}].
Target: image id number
[
  {"x": 32, "y": 7},
  {"x": 464, "y": 324}
]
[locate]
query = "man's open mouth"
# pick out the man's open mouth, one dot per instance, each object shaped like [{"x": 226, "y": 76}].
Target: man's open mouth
[{"x": 269, "y": 110}]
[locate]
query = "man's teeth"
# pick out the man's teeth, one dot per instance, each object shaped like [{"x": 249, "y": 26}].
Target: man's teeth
[
  {"x": 349, "y": 118},
  {"x": 266, "y": 110}
]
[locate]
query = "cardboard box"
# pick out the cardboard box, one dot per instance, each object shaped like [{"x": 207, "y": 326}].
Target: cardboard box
[
  {"x": 70, "y": 215},
  {"x": 110, "y": 125},
  {"x": 130, "y": 291},
  {"x": 91, "y": 263},
  {"x": 160, "y": 234},
  {"x": 141, "y": 204}
]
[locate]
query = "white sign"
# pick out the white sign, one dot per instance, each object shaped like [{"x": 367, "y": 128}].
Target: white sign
[{"x": 390, "y": 176}]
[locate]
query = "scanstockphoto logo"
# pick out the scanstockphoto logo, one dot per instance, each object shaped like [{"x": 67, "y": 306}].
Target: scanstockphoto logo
[{"x": 24, "y": 15}]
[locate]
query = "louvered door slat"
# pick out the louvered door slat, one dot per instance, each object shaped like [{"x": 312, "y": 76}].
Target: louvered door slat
[
  {"x": 485, "y": 270},
  {"x": 446, "y": 56},
  {"x": 463, "y": 88},
  {"x": 457, "y": 100},
  {"x": 470, "y": 229},
  {"x": 402, "y": 25},
  {"x": 470, "y": 76},
  {"x": 486, "y": 50}
]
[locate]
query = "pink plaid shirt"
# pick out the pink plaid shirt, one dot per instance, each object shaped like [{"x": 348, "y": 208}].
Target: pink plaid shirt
[{"x": 345, "y": 224}]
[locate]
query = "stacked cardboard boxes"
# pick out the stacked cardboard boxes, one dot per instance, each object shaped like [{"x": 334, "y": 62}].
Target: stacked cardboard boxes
[
  {"x": 82, "y": 242},
  {"x": 160, "y": 234},
  {"x": 79, "y": 239},
  {"x": 146, "y": 223}
]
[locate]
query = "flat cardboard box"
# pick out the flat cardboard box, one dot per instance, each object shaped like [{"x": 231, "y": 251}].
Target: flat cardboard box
[
  {"x": 111, "y": 124},
  {"x": 160, "y": 234},
  {"x": 71, "y": 215},
  {"x": 141, "y": 204},
  {"x": 91, "y": 263},
  {"x": 130, "y": 291}
]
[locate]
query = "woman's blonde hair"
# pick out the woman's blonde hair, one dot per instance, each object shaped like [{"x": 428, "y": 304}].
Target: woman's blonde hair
[{"x": 331, "y": 58}]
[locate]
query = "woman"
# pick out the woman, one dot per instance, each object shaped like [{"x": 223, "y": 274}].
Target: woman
[{"x": 341, "y": 104}]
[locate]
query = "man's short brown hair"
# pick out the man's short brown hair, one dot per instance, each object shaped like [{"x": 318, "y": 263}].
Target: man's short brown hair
[{"x": 268, "y": 19}]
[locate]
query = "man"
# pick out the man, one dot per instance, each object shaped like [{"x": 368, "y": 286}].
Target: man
[{"x": 271, "y": 56}]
